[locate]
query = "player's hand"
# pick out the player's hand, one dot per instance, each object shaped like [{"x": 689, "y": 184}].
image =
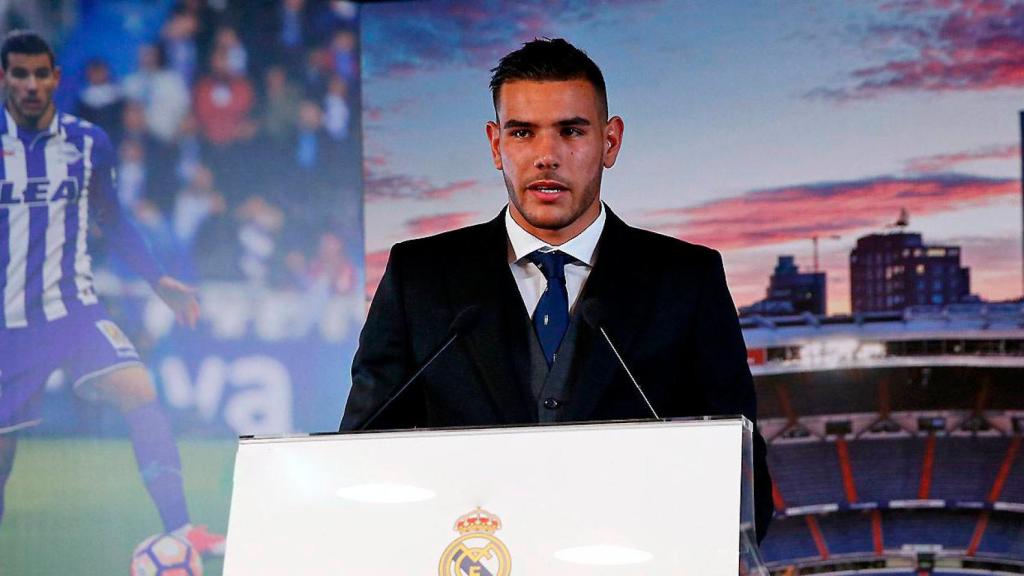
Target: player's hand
[{"x": 181, "y": 298}]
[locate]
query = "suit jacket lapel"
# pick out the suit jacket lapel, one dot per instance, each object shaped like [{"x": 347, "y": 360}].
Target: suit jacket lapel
[
  {"x": 612, "y": 282},
  {"x": 498, "y": 343}
]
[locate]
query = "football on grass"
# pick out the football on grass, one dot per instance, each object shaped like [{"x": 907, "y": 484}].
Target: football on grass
[{"x": 165, "y": 555}]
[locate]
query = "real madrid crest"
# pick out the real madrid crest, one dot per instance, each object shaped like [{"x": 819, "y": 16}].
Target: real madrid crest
[{"x": 476, "y": 552}]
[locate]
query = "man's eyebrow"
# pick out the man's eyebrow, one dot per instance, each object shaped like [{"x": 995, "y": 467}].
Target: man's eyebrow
[
  {"x": 575, "y": 121},
  {"x": 518, "y": 124}
]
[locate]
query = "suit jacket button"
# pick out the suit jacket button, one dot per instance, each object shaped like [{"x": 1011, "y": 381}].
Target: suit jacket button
[{"x": 552, "y": 404}]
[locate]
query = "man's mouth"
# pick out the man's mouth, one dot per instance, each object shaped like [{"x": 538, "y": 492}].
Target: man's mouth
[{"x": 547, "y": 187}]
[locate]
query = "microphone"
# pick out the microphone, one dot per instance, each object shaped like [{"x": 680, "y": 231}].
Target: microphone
[
  {"x": 463, "y": 322},
  {"x": 593, "y": 314}
]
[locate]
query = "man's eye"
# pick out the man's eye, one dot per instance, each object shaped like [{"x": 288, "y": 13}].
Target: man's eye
[
  {"x": 520, "y": 133},
  {"x": 571, "y": 131},
  {"x": 43, "y": 74},
  {"x": 18, "y": 73}
]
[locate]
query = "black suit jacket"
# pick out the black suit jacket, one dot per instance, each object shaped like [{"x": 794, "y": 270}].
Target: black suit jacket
[{"x": 665, "y": 305}]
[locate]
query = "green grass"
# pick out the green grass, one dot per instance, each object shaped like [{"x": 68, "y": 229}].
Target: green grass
[{"x": 78, "y": 507}]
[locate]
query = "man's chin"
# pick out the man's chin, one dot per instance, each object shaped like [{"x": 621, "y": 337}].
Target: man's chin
[
  {"x": 31, "y": 117},
  {"x": 552, "y": 223}
]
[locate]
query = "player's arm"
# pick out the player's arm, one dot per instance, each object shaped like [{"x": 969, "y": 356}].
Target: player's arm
[{"x": 127, "y": 242}]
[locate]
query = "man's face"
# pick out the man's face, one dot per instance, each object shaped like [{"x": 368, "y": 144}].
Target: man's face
[
  {"x": 30, "y": 80},
  {"x": 552, "y": 142}
]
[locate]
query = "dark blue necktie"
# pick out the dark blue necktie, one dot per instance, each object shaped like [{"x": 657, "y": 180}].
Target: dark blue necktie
[{"x": 551, "y": 318}]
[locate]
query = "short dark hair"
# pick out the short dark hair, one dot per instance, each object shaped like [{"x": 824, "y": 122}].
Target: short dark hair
[
  {"x": 547, "y": 59},
  {"x": 25, "y": 42}
]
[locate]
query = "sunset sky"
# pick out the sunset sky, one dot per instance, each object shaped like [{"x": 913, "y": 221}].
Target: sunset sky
[{"x": 751, "y": 126}]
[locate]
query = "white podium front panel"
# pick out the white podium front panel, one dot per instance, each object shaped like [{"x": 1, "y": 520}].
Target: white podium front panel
[{"x": 602, "y": 499}]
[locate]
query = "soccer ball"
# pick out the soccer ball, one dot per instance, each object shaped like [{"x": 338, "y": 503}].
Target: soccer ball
[{"x": 166, "y": 555}]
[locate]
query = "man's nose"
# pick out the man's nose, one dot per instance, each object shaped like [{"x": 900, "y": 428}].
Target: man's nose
[{"x": 547, "y": 154}]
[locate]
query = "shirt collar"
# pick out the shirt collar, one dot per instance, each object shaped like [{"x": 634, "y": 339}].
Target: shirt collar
[
  {"x": 11, "y": 127},
  {"x": 582, "y": 247}
]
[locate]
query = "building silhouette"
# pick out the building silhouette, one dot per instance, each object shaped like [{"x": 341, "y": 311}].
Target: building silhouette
[
  {"x": 790, "y": 292},
  {"x": 890, "y": 272}
]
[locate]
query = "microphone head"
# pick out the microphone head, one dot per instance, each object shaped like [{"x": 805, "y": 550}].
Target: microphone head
[
  {"x": 465, "y": 319},
  {"x": 592, "y": 312}
]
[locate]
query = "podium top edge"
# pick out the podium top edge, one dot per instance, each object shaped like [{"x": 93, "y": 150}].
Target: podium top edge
[{"x": 740, "y": 420}]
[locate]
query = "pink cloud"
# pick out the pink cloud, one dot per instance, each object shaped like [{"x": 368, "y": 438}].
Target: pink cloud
[
  {"x": 945, "y": 162},
  {"x": 375, "y": 161},
  {"x": 995, "y": 264},
  {"x": 799, "y": 212},
  {"x": 377, "y": 261},
  {"x": 437, "y": 223},
  {"x": 375, "y": 264},
  {"x": 417, "y": 36},
  {"x": 396, "y": 186},
  {"x": 377, "y": 112},
  {"x": 954, "y": 45}
]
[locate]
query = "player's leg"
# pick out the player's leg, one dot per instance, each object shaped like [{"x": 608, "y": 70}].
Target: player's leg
[
  {"x": 8, "y": 445},
  {"x": 131, "y": 390},
  {"x": 26, "y": 363}
]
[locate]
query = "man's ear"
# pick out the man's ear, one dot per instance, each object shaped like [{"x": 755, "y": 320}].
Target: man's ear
[
  {"x": 494, "y": 137},
  {"x": 612, "y": 140}
]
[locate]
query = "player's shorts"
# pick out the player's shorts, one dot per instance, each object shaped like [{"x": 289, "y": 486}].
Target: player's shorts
[{"x": 83, "y": 345}]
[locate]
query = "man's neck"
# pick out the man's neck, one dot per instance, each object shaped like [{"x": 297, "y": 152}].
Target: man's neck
[
  {"x": 561, "y": 235},
  {"x": 41, "y": 123}
]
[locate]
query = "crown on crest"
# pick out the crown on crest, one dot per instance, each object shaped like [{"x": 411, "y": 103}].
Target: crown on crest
[{"x": 479, "y": 520}]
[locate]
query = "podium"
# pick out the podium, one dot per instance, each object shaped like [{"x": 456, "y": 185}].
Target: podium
[{"x": 622, "y": 498}]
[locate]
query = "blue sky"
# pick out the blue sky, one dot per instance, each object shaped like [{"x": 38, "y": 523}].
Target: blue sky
[{"x": 816, "y": 117}]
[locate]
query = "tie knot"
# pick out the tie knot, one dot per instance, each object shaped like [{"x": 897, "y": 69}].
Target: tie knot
[{"x": 552, "y": 264}]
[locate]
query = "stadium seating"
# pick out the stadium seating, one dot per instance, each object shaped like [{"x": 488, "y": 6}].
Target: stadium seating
[
  {"x": 887, "y": 469},
  {"x": 950, "y": 529},
  {"x": 1003, "y": 536},
  {"x": 788, "y": 539},
  {"x": 806, "y": 473},
  {"x": 847, "y": 532},
  {"x": 962, "y": 471},
  {"x": 965, "y": 468},
  {"x": 1013, "y": 489}
]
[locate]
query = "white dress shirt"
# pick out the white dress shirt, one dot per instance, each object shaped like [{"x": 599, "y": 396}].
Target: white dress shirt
[{"x": 530, "y": 280}]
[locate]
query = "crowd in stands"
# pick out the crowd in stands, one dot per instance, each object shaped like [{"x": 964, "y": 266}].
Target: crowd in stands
[{"x": 237, "y": 139}]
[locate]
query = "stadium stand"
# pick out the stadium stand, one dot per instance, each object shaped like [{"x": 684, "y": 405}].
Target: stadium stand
[
  {"x": 953, "y": 456},
  {"x": 807, "y": 472},
  {"x": 809, "y": 394},
  {"x": 789, "y": 540},
  {"x": 949, "y": 528},
  {"x": 887, "y": 469},
  {"x": 1013, "y": 489},
  {"x": 847, "y": 532},
  {"x": 846, "y": 521},
  {"x": 1003, "y": 536}
]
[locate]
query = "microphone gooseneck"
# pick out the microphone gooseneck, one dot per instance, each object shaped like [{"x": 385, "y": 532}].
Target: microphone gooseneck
[
  {"x": 593, "y": 314},
  {"x": 464, "y": 321}
]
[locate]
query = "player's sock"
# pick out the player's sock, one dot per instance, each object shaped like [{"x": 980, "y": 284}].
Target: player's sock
[
  {"x": 3, "y": 482},
  {"x": 7, "y": 447},
  {"x": 159, "y": 463}
]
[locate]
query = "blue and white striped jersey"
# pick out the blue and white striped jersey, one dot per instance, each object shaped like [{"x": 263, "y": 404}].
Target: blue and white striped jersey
[{"x": 54, "y": 184}]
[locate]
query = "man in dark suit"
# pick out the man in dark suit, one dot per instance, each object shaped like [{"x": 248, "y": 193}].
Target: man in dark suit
[{"x": 556, "y": 250}]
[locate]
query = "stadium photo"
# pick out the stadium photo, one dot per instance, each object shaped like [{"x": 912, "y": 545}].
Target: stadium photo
[{"x": 894, "y": 440}]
